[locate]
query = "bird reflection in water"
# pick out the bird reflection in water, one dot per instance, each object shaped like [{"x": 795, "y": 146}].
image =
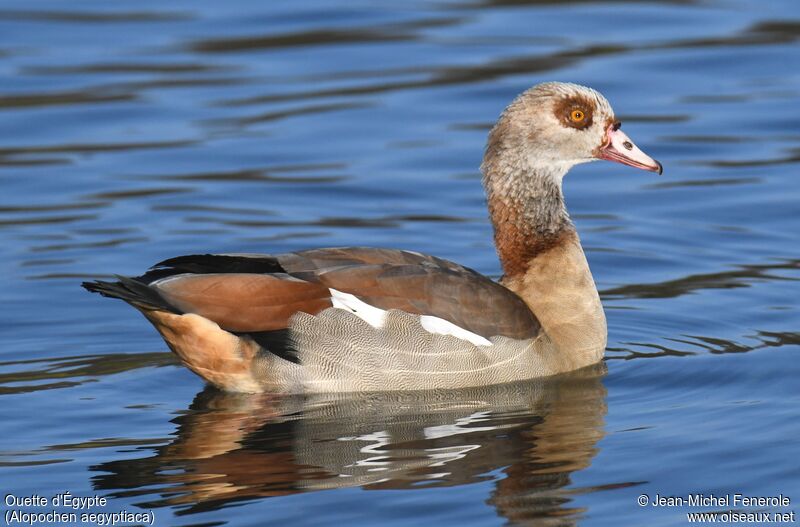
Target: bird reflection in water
[{"x": 528, "y": 436}]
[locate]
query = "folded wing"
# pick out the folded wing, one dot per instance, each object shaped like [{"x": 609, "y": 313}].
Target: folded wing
[{"x": 259, "y": 293}]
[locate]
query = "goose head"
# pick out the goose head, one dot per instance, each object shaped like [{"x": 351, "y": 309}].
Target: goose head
[
  {"x": 541, "y": 135},
  {"x": 554, "y": 126}
]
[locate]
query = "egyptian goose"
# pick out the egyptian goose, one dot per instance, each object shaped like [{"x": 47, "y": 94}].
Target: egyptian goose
[{"x": 362, "y": 319}]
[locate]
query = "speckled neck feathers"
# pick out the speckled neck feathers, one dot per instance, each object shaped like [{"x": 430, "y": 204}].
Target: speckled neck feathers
[{"x": 526, "y": 204}]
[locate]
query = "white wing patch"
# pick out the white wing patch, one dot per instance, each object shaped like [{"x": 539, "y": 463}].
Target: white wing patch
[
  {"x": 370, "y": 314},
  {"x": 445, "y": 327},
  {"x": 375, "y": 317}
]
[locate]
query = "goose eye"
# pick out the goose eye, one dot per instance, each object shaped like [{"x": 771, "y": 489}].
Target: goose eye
[{"x": 577, "y": 115}]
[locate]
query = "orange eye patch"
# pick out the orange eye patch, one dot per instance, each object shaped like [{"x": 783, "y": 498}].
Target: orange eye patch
[
  {"x": 577, "y": 116},
  {"x": 575, "y": 112}
]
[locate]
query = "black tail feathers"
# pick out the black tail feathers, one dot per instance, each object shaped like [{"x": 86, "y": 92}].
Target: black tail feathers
[{"x": 132, "y": 291}]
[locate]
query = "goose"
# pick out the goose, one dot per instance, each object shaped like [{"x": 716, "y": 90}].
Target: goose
[{"x": 366, "y": 319}]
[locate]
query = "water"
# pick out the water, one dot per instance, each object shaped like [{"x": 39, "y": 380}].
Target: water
[{"x": 134, "y": 131}]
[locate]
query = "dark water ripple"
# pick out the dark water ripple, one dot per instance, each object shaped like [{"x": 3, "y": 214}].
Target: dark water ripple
[{"x": 132, "y": 132}]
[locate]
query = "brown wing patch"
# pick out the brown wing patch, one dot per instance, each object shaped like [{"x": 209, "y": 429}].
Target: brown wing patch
[
  {"x": 322, "y": 259},
  {"x": 244, "y": 302},
  {"x": 468, "y": 300}
]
